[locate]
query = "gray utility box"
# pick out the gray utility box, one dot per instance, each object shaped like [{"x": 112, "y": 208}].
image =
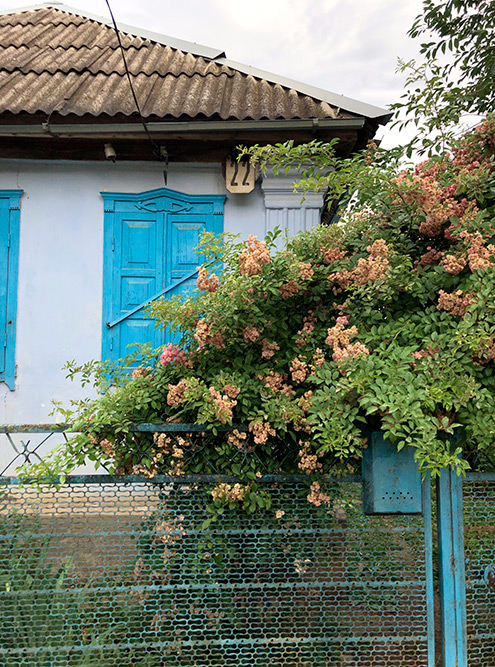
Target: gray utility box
[{"x": 391, "y": 479}]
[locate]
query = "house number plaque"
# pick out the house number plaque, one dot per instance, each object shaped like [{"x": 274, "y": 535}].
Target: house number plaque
[{"x": 239, "y": 176}]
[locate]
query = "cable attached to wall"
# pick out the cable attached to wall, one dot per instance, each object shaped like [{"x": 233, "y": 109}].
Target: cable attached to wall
[{"x": 158, "y": 150}]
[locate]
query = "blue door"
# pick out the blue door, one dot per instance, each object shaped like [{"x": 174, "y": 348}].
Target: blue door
[{"x": 148, "y": 253}]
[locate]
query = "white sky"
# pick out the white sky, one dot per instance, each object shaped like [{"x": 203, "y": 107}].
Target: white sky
[{"x": 347, "y": 46}]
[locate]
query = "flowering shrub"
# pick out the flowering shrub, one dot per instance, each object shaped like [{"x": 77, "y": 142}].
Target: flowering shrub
[{"x": 384, "y": 321}]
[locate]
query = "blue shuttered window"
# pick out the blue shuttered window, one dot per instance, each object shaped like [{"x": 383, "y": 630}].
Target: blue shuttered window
[
  {"x": 148, "y": 252},
  {"x": 9, "y": 257}
]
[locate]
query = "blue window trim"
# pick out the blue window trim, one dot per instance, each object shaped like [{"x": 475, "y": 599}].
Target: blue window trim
[
  {"x": 114, "y": 202},
  {"x": 8, "y": 327}
]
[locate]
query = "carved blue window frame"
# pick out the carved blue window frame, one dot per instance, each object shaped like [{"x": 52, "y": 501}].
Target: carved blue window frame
[{"x": 10, "y": 203}]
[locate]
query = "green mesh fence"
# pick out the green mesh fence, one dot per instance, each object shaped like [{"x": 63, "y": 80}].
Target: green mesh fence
[
  {"x": 479, "y": 536},
  {"x": 114, "y": 573}
]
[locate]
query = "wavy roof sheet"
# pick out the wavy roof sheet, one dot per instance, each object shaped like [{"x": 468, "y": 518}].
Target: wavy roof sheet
[{"x": 56, "y": 59}]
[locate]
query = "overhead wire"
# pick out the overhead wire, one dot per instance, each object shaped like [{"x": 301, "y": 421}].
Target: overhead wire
[{"x": 156, "y": 147}]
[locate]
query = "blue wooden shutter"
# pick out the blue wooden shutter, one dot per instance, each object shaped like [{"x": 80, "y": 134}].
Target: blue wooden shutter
[
  {"x": 183, "y": 233},
  {"x": 137, "y": 276},
  {"x": 9, "y": 257},
  {"x": 149, "y": 241},
  {"x": 4, "y": 280}
]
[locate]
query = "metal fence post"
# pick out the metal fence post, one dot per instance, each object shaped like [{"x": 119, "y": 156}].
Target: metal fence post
[
  {"x": 430, "y": 584},
  {"x": 451, "y": 569}
]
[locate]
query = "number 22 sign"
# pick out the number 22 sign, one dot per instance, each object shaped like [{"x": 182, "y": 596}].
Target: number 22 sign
[{"x": 239, "y": 176}]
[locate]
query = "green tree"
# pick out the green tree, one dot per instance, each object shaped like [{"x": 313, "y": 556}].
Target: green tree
[{"x": 456, "y": 77}]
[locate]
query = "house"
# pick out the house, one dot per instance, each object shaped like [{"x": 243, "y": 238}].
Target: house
[{"x": 105, "y": 187}]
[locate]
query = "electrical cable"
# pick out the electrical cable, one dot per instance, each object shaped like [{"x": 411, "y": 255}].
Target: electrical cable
[{"x": 156, "y": 148}]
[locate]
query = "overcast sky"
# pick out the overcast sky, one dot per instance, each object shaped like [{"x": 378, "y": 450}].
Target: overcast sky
[{"x": 349, "y": 47}]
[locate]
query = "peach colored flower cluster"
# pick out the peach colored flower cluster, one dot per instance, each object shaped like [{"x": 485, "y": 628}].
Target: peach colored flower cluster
[
  {"x": 224, "y": 405},
  {"x": 338, "y": 335},
  {"x": 309, "y": 460},
  {"x": 428, "y": 352},
  {"x": 231, "y": 391},
  {"x": 176, "y": 394},
  {"x": 331, "y": 255},
  {"x": 367, "y": 270},
  {"x": 425, "y": 191},
  {"x": 339, "y": 338},
  {"x": 299, "y": 369},
  {"x": 276, "y": 382},
  {"x": 145, "y": 471},
  {"x": 288, "y": 289},
  {"x": 165, "y": 447},
  {"x": 205, "y": 283},
  {"x": 470, "y": 153},
  {"x": 431, "y": 256},
  {"x": 455, "y": 303},
  {"x": 107, "y": 447},
  {"x": 305, "y": 271},
  {"x": 305, "y": 401},
  {"x": 318, "y": 358},
  {"x": 251, "y": 334},
  {"x": 254, "y": 257},
  {"x": 432, "y": 226},
  {"x": 218, "y": 340},
  {"x": 230, "y": 492},
  {"x": 453, "y": 264},
  {"x": 202, "y": 333},
  {"x": 204, "y": 336},
  {"x": 168, "y": 447},
  {"x": 238, "y": 439},
  {"x": 268, "y": 348},
  {"x": 353, "y": 350},
  {"x": 485, "y": 352},
  {"x": 163, "y": 442},
  {"x": 479, "y": 256},
  {"x": 261, "y": 431},
  {"x": 316, "y": 496},
  {"x": 308, "y": 327},
  {"x": 467, "y": 213},
  {"x": 427, "y": 168},
  {"x": 141, "y": 372}
]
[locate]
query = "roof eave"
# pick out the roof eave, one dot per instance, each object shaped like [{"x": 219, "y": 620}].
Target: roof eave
[{"x": 110, "y": 129}]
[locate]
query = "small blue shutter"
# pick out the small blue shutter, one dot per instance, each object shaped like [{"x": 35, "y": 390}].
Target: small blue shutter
[
  {"x": 183, "y": 236},
  {"x": 4, "y": 281},
  {"x": 9, "y": 257},
  {"x": 149, "y": 241}
]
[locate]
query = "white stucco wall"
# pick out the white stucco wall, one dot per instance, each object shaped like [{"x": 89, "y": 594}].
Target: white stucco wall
[{"x": 59, "y": 308}]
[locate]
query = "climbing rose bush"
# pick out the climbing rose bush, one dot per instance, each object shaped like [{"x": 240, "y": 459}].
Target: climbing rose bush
[{"x": 385, "y": 320}]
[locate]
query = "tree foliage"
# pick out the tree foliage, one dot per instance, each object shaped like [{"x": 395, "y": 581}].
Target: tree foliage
[{"x": 456, "y": 77}]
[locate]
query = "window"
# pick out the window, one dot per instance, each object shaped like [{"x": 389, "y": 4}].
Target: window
[
  {"x": 10, "y": 201},
  {"x": 148, "y": 253}
]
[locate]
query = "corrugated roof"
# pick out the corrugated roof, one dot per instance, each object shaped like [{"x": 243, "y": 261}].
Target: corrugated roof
[{"x": 56, "y": 59}]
